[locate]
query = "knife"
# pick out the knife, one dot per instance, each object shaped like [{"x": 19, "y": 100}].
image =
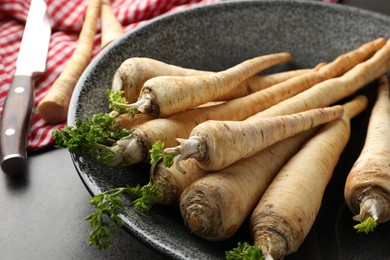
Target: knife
[{"x": 19, "y": 102}]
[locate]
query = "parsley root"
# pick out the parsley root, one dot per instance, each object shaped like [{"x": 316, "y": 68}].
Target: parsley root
[
  {"x": 111, "y": 27},
  {"x": 367, "y": 188},
  {"x": 53, "y": 108},
  {"x": 209, "y": 141},
  {"x": 134, "y": 72},
  {"x": 166, "y": 95}
]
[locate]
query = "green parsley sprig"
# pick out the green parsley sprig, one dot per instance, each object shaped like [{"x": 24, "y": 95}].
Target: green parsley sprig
[
  {"x": 109, "y": 203},
  {"x": 118, "y": 103},
  {"x": 93, "y": 137},
  {"x": 244, "y": 251},
  {"x": 157, "y": 153},
  {"x": 150, "y": 195}
]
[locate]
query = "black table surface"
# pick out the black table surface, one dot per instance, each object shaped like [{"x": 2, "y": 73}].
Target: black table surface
[{"x": 42, "y": 212}]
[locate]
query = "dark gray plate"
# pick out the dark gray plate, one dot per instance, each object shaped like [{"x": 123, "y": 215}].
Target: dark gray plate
[{"x": 213, "y": 38}]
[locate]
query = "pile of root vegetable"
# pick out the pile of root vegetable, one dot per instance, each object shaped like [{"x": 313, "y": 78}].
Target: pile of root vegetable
[{"x": 209, "y": 135}]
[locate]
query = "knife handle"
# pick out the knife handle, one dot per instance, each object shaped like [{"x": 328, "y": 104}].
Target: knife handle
[{"x": 15, "y": 121}]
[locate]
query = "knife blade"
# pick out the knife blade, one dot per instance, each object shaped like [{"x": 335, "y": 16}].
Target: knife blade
[{"x": 31, "y": 61}]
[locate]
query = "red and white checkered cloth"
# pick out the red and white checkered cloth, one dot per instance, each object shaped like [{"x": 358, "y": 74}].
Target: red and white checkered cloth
[{"x": 66, "y": 18}]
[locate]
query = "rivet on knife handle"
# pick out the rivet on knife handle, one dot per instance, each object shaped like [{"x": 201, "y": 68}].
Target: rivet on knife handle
[{"x": 14, "y": 125}]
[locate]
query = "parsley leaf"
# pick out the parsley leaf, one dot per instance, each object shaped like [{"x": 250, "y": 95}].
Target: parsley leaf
[{"x": 157, "y": 152}]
